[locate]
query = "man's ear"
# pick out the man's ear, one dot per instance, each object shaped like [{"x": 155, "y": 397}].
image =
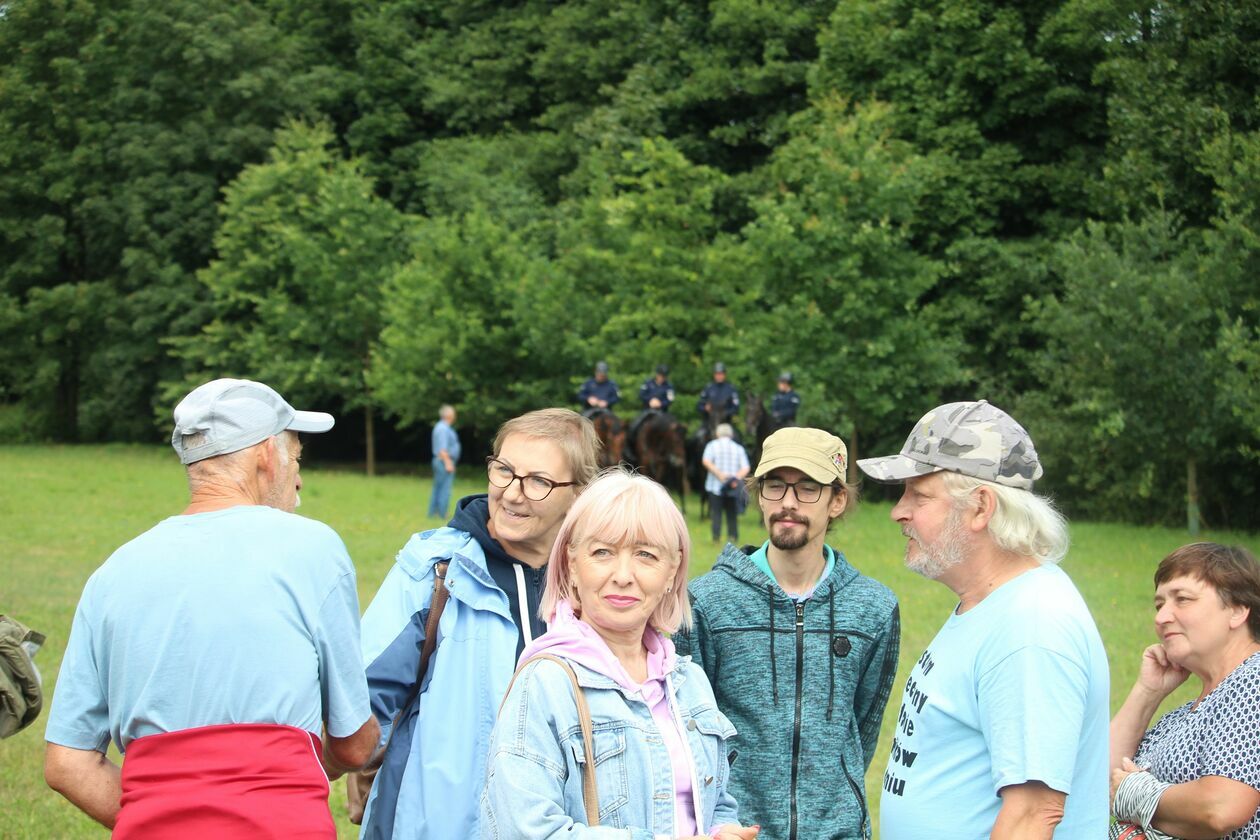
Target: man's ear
[
  {"x": 839, "y": 501},
  {"x": 268, "y": 460},
  {"x": 984, "y": 505}
]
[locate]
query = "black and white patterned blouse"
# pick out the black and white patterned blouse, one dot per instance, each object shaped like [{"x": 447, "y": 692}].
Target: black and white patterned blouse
[{"x": 1219, "y": 737}]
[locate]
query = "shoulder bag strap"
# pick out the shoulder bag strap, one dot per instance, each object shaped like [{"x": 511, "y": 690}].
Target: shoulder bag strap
[
  {"x": 436, "y": 605},
  {"x": 440, "y": 596},
  {"x": 359, "y": 784},
  {"x": 590, "y": 790}
]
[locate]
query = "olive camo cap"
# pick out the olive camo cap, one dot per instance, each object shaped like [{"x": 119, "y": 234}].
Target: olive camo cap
[
  {"x": 820, "y": 455},
  {"x": 969, "y": 438}
]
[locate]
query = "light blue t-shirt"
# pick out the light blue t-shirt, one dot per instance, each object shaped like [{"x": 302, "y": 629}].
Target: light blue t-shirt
[
  {"x": 243, "y": 615},
  {"x": 762, "y": 560},
  {"x": 1013, "y": 690},
  {"x": 444, "y": 437}
]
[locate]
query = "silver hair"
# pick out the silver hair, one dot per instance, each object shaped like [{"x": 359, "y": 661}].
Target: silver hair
[
  {"x": 1023, "y": 523},
  {"x": 725, "y": 430},
  {"x": 446, "y": 410},
  {"x": 230, "y": 463}
]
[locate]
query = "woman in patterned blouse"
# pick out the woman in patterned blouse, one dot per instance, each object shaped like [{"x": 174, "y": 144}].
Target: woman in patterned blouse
[{"x": 1196, "y": 773}]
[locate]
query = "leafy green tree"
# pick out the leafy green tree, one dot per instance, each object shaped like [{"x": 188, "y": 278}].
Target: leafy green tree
[
  {"x": 119, "y": 125},
  {"x": 1132, "y": 405},
  {"x": 1179, "y": 75},
  {"x": 719, "y": 81},
  {"x": 634, "y": 269},
  {"x": 1233, "y": 260},
  {"x": 1001, "y": 99},
  {"x": 303, "y": 254},
  {"x": 837, "y": 289},
  {"x": 453, "y": 330}
]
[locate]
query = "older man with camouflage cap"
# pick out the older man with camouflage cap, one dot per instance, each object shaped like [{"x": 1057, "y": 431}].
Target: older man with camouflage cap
[
  {"x": 214, "y": 649},
  {"x": 1003, "y": 725}
]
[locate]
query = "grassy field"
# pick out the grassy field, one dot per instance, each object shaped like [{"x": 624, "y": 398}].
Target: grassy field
[{"x": 64, "y": 509}]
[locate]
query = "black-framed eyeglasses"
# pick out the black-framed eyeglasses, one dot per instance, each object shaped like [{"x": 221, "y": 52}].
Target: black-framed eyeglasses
[
  {"x": 535, "y": 487},
  {"x": 806, "y": 490}
]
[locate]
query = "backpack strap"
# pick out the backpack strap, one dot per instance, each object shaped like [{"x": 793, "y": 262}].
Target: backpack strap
[{"x": 590, "y": 790}]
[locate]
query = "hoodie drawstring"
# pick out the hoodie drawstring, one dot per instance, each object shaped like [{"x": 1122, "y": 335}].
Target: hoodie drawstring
[
  {"x": 831, "y": 658},
  {"x": 774, "y": 669}
]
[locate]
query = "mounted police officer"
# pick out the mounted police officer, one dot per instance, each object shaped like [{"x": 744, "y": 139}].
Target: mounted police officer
[
  {"x": 599, "y": 393},
  {"x": 786, "y": 402},
  {"x": 719, "y": 400},
  {"x": 657, "y": 393}
]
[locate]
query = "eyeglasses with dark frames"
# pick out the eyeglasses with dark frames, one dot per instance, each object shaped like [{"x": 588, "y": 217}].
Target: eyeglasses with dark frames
[
  {"x": 535, "y": 487},
  {"x": 807, "y": 491}
]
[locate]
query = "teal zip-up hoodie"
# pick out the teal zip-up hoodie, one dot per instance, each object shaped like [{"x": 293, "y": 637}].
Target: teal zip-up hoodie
[{"x": 805, "y": 684}]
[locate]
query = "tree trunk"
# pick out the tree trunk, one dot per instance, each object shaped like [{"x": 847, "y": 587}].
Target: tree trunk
[
  {"x": 1192, "y": 498},
  {"x": 369, "y": 438},
  {"x": 854, "y": 475},
  {"x": 66, "y": 400}
]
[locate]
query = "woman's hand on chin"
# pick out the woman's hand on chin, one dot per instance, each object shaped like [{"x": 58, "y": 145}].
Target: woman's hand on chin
[{"x": 1159, "y": 674}]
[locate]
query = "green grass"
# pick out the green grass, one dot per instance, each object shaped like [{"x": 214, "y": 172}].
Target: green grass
[{"x": 65, "y": 509}]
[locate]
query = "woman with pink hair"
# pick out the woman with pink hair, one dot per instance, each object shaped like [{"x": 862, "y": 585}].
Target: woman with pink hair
[{"x": 616, "y": 586}]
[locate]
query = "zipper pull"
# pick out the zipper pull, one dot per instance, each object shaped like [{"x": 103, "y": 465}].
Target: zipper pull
[{"x": 800, "y": 614}]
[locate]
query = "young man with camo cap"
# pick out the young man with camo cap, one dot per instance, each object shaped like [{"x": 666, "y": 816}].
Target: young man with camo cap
[
  {"x": 1003, "y": 725},
  {"x": 800, "y": 647}
]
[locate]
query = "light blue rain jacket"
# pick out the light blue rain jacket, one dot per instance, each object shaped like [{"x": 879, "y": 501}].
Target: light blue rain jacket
[{"x": 434, "y": 769}]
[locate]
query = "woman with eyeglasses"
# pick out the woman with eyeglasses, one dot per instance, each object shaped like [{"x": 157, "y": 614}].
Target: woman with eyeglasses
[{"x": 432, "y": 756}]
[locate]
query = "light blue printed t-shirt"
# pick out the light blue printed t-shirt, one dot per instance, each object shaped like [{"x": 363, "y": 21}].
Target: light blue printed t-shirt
[
  {"x": 1013, "y": 690},
  {"x": 243, "y": 615}
]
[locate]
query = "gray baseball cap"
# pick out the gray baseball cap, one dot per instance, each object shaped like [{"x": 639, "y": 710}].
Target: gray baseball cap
[
  {"x": 234, "y": 414},
  {"x": 969, "y": 438}
]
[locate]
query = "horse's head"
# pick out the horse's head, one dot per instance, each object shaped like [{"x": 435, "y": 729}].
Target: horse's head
[{"x": 612, "y": 435}]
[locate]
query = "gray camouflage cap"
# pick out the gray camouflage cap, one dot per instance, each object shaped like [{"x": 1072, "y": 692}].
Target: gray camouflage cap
[{"x": 970, "y": 438}]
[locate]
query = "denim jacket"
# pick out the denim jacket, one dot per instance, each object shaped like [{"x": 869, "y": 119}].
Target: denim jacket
[{"x": 534, "y": 776}]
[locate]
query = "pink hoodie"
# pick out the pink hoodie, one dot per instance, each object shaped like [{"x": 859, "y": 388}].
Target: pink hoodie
[{"x": 570, "y": 637}]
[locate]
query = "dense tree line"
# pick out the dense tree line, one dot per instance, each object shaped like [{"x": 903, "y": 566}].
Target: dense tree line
[{"x": 384, "y": 206}]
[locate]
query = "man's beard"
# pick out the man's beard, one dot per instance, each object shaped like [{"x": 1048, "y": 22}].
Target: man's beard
[
  {"x": 948, "y": 551},
  {"x": 792, "y": 539}
]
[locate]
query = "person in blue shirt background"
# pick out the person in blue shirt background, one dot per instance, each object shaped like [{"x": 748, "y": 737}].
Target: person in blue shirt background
[
  {"x": 719, "y": 400},
  {"x": 599, "y": 393},
  {"x": 446, "y": 451},
  {"x": 785, "y": 404}
]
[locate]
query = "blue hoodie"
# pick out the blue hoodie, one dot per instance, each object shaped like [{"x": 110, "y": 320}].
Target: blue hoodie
[{"x": 805, "y": 683}]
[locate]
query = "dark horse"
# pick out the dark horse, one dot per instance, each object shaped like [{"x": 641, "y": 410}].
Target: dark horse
[
  {"x": 612, "y": 436},
  {"x": 759, "y": 424},
  {"x": 659, "y": 449}
]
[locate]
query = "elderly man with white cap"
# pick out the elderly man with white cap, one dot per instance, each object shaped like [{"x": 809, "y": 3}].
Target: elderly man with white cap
[
  {"x": 214, "y": 649},
  {"x": 1003, "y": 725},
  {"x": 800, "y": 647}
]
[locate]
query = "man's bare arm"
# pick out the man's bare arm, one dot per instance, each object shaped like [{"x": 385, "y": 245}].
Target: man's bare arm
[
  {"x": 342, "y": 755},
  {"x": 91, "y": 782},
  {"x": 1029, "y": 812}
]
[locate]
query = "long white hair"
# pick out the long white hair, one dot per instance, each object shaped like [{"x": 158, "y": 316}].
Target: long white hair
[{"x": 1023, "y": 523}]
